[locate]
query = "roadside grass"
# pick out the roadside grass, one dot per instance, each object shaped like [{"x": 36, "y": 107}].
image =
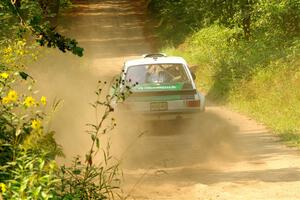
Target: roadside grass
[
  {"x": 272, "y": 96},
  {"x": 259, "y": 77}
]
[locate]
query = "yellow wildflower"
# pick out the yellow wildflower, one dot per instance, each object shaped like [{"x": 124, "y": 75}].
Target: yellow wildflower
[
  {"x": 8, "y": 50},
  {"x": 36, "y": 124},
  {"x": 4, "y": 75},
  {"x": 29, "y": 101},
  {"x": 5, "y": 100},
  {"x": 21, "y": 43},
  {"x": 12, "y": 95},
  {"x": 20, "y": 52},
  {"x": 2, "y": 187},
  {"x": 43, "y": 100}
]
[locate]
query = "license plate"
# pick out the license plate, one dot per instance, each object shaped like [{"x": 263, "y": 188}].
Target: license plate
[{"x": 158, "y": 106}]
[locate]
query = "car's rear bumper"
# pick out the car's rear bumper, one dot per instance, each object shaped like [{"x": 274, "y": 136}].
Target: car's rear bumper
[
  {"x": 167, "y": 115},
  {"x": 163, "y": 109},
  {"x": 178, "y": 116}
]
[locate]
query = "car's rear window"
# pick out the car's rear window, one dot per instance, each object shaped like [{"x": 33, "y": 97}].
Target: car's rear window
[{"x": 157, "y": 74}]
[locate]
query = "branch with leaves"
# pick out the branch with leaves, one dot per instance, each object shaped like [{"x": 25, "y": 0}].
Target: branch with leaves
[{"x": 29, "y": 17}]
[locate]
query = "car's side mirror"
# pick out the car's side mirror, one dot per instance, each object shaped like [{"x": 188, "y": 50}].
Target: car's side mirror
[{"x": 193, "y": 75}]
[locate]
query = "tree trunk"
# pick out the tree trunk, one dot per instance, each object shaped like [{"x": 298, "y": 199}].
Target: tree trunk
[{"x": 246, "y": 8}]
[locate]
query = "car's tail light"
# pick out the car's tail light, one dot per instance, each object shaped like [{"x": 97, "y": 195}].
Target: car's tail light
[{"x": 193, "y": 103}]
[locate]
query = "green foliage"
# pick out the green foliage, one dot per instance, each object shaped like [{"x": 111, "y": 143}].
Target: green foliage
[
  {"x": 184, "y": 16},
  {"x": 180, "y": 18},
  {"x": 98, "y": 181},
  {"x": 22, "y": 116},
  {"x": 272, "y": 96},
  {"x": 277, "y": 17},
  {"x": 33, "y": 177},
  {"x": 33, "y": 17},
  {"x": 27, "y": 150},
  {"x": 65, "y": 4}
]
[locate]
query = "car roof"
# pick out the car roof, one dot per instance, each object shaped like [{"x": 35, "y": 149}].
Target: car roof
[{"x": 155, "y": 60}]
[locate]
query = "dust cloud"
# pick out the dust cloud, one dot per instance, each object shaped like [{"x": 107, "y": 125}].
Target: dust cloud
[
  {"x": 202, "y": 141},
  {"x": 68, "y": 79}
]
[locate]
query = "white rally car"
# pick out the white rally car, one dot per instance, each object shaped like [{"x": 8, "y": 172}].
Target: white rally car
[{"x": 165, "y": 90}]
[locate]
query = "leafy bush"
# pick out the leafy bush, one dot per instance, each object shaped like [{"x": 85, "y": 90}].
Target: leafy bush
[
  {"x": 33, "y": 176},
  {"x": 27, "y": 150},
  {"x": 277, "y": 18}
]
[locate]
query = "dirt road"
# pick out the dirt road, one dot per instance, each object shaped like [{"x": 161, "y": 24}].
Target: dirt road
[{"x": 221, "y": 155}]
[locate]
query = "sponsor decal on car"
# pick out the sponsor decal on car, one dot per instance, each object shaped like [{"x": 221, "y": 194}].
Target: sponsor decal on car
[{"x": 159, "y": 87}]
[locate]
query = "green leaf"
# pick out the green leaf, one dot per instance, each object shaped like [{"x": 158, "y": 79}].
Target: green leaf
[
  {"x": 76, "y": 171},
  {"x": 23, "y": 75},
  {"x": 78, "y": 51}
]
